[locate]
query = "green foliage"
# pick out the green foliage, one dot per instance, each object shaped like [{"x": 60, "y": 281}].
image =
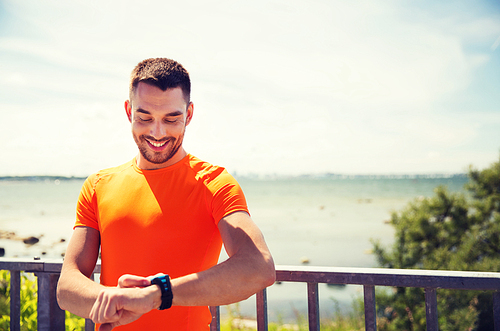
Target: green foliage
[
  {"x": 73, "y": 322},
  {"x": 337, "y": 320},
  {"x": 28, "y": 305},
  {"x": 28, "y": 301},
  {"x": 449, "y": 231},
  {"x": 340, "y": 320}
]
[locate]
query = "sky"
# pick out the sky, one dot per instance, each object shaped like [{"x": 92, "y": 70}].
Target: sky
[{"x": 279, "y": 86}]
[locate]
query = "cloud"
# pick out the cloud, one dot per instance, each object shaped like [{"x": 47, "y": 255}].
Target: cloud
[
  {"x": 495, "y": 44},
  {"x": 279, "y": 86}
]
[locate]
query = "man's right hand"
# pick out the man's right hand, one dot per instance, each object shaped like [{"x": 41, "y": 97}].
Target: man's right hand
[{"x": 125, "y": 303}]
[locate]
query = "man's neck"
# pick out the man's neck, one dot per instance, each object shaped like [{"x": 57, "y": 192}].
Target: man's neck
[{"x": 144, "y": 164}]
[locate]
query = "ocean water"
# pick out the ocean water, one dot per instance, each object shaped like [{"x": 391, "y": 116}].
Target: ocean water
[{"x": 326, "y": 221}]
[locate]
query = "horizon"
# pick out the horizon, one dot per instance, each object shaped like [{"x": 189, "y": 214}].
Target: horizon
[
  {"x": 279, "y": 87},
  {"x": 269, "y": 176}
]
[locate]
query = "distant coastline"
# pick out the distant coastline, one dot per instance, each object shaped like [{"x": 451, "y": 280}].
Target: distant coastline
[
  {"x": 325, "y": 176},
  {"x": 38, "y": 178},
  {"x": 331, "y": 176}
]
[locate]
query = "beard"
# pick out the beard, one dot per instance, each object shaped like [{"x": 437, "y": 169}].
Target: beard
[{"x": 158, "y": 157}]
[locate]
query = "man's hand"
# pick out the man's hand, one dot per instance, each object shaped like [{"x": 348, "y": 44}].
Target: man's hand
[
  {"x": 127, "y": 281},
  {"x": 125, "y": 303}
]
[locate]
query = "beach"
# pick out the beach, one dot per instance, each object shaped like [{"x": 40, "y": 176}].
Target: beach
[{"x": 321, "y": 221}]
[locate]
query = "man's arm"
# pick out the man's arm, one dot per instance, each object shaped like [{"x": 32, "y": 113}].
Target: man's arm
[
  {"x": 249, "y": 269},
  {"x": 77, "y": 293}
]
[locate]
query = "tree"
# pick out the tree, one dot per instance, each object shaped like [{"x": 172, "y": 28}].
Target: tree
[{"x": 449, "y": 231}]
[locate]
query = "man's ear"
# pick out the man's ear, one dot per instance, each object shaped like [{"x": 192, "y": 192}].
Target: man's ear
[
  {"x": 189, "y": 113},
  {"x": 128, "y": 110}
]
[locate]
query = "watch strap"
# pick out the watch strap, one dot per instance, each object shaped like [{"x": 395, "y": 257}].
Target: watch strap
[{"x": 163, "y": 282}]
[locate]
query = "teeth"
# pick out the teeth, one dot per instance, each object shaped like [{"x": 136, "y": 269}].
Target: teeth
[{"x": 157, "y": 144}]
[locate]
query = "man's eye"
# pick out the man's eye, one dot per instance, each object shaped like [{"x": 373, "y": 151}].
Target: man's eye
[
  {"x": 170, "y": 120},
  {"x": 144, "y": 119}
]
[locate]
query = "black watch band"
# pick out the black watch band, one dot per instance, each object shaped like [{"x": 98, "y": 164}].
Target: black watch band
[{"x": 163, "y": 282}]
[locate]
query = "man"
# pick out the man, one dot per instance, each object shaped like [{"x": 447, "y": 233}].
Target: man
[{"x": 164, "y": 212}]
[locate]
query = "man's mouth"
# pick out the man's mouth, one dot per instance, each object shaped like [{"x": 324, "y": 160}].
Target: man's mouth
[{"x": 157, "y": 144}]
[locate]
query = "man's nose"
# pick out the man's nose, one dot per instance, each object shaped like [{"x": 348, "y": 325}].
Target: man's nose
[{"x": 158, "y": 130}]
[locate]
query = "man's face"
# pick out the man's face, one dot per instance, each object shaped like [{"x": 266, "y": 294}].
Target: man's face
[{"x": 159, "y": 119}]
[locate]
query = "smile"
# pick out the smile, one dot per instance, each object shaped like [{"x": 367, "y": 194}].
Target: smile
[{"x": 157, "y": 144}]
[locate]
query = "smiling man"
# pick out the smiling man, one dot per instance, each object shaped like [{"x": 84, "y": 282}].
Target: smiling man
[{"x": 160, "y": 221}]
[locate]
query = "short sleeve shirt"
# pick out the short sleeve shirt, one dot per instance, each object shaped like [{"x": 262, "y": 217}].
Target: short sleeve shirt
[{"x": 163, "y": 220}]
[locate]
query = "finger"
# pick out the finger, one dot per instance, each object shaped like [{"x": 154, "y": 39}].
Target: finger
[
  {"x": 110, "y": 312},
  {"x": 133, "y": 281},
  {"x": 94, "y": 311},
  {"x": 106, "y": 327},
  {"x": 105, "y": 309}
]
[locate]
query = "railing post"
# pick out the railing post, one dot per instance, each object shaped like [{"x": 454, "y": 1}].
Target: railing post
[
  {"x": 89, "y": 325},
  {"x": 431, "y": 309},
  {"x": 50, "y": 316},
  {"x": 262, "y": 310},
  {"x": 215, "y": 324},
  {"x": 15, "y": 300},
  {"x": 370, "y": 309},
  {"x": 496, "y": 310},
  {"x": 313, "y": 306}
]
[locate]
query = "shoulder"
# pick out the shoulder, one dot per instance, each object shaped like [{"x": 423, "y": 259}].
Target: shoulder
[
  {"x": 215, "y": 179},
  {"x": 109, "y": 173},
  {"x": 207, "y": 172}
]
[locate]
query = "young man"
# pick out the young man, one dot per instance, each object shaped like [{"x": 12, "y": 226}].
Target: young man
[{"x": 166, "y": 212}]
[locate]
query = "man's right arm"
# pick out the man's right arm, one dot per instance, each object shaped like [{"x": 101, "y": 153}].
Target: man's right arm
[{"x": 76, "y": 292}]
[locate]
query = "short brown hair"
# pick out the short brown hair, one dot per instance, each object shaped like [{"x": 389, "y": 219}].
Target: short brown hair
[{"x": 163, "y": 73}]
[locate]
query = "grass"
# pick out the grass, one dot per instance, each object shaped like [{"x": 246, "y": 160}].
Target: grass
[{"x": 336, "y": 320}]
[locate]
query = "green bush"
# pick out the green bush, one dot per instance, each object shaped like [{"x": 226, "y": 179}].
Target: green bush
[
  {"x": 28, "y": 305},
  {"x": 449, "y": 231}
]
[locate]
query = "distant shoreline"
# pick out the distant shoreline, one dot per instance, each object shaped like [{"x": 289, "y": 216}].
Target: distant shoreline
[
  {"x": 38, "y": 178},
  {"x": 328, "y": 176}
]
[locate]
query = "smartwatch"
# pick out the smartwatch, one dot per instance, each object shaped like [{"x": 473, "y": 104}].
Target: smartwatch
[{"x": 163, "y": 281}]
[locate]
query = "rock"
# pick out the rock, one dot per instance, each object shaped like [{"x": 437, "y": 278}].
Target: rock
[{"x": 31, "y": 240}]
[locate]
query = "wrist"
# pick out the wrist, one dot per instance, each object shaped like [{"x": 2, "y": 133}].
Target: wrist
[
  {"x": 156, "y": 295},
  {"x": 163, "y": 283},
  {"x": 154, "y": 292}
]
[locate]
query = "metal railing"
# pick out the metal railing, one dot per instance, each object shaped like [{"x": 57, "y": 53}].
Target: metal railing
[{"x": 51, "y": 317}]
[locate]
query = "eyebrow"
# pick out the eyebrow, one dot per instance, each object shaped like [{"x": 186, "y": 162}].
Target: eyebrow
[{"x": 174, "y": 113}]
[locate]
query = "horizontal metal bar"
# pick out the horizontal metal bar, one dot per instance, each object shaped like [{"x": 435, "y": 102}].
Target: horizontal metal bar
[
  {"x": 391, "y": 277},
  {"x": 27, "y": 265},
  {"x": 467, "y": 280},
  {"x": 30, "y": 265},
  {"x": 463, "y": 280}
]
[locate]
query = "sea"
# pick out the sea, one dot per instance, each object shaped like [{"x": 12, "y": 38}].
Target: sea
[{"x": 328, "y": 220}]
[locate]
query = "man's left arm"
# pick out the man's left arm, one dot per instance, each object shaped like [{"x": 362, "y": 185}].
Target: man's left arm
[{"x": 249, "y": 268}]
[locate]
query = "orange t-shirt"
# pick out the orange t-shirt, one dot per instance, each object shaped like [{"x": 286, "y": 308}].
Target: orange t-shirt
[{"x": 163, "y": 220}]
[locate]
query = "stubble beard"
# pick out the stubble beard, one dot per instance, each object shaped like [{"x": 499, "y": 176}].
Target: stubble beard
[{"x": 158, "y": 157}]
